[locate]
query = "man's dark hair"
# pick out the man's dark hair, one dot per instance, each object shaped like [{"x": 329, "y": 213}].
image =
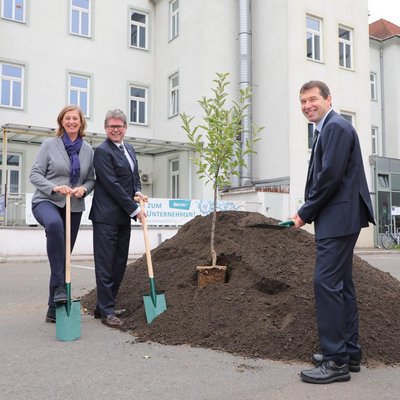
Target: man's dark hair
[{"x": 323, "y": 88}]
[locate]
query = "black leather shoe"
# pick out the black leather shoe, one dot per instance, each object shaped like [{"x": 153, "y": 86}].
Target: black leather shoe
[
  {"x": 117, "y": 313},
  {"x": 326, "y": 372},
  {"x": 60, "y": 295},
  {"x": 51, "y": 315},
  {"x": 111, "y": 320},
  {"x": 354, "y": 366}
]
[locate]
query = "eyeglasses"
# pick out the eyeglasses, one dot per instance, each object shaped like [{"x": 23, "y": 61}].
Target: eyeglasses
[{"x": 112, "y": 127}]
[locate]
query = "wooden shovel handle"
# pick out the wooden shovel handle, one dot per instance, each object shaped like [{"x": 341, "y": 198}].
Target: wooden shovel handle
[
  {"x": 68, "y": 238},
  {"x": 146, "y": 240}
]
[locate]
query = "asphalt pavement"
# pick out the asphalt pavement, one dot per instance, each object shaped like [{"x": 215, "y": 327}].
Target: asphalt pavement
[{"x": 106, "y": 363}]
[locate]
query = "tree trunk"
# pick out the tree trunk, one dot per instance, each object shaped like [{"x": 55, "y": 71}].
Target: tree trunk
[{"x": 213, "y": 223}]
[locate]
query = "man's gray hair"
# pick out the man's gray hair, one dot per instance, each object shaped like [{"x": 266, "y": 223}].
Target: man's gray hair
[{"x": 115, "y": 114}]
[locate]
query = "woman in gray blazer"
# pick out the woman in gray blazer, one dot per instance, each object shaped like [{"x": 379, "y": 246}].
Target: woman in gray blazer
[{"x": 64, "y": 165}]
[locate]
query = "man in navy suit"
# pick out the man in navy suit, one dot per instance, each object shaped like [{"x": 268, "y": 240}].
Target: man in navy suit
[
  {"x": 117, "y": 182},
  {"x": 338, "y": 201}
]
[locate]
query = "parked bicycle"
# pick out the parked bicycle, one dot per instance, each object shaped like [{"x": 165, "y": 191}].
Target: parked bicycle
[{"x": 390, "y": 239}]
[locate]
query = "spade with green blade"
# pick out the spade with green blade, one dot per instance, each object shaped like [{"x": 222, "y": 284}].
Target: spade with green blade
[{"x": 154, "y": 304}]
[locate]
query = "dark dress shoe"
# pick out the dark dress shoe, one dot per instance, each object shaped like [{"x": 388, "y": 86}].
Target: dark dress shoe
[
  {"x": 60, "y": 295},
  {"x": 326, "y": 372},
  {"x": 111, "y": 320},
  {"x": 51, "y": 315},
  {"x": 354, "y": 366},
  {"x": 117, "y": 313}
]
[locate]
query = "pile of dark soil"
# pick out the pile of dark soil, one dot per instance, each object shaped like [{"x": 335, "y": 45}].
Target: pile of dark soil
[{"x": 266, "y": 308}]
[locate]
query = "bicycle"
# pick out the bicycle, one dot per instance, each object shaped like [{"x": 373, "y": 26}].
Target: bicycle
[{"x": 390, "y": 239}]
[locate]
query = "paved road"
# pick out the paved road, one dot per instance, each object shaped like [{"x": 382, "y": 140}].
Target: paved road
[{"x": 105, "y": 363}]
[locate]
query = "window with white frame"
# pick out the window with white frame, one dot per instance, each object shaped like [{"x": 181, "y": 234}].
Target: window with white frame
[
  {"x": 138, "y": 105},
  {"x": 79, "y": 92},
  {"x": 12, "y": 85},
  {"x": 174, "y": 19},
  {"x": 345, "y": 47},
  {"x": 173, "y": 95},
  {"x": 372, "y": 78},
  {"x": 80, "y": 17},
  {"x": 139, "y": 30},
  {"x": 13, "y": 10},
  {"x": 314, "y": 38},
  {"x": 174, "y": 178},
  {"x": 375, "y": 140},
  {"x": 349, "y": 116},
  {"x": 13, "y": 171}
]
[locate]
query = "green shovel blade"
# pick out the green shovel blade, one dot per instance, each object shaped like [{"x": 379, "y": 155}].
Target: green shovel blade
[
  {"x": 154, "y": 304},
  {"x": 68, "y": 318}
]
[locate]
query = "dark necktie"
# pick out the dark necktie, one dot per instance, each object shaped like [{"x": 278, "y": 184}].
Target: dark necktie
[{"x": 121, "y": 147}]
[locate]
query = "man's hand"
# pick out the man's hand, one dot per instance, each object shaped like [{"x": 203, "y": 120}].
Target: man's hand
[
  {"x": 298, "y": 222},
  {"x": 141, "y": 215}
]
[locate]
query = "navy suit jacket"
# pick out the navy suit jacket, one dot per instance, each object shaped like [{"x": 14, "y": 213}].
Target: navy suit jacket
[
  {"x": 337, "y": 198},
  {"x": 115, "y": 186}
]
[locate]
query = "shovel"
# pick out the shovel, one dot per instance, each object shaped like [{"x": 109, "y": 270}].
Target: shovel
[
  {"x": 154, "y": 304},
  {"x": 281, "y": 225},
  {"x": 68, "y": 315}
]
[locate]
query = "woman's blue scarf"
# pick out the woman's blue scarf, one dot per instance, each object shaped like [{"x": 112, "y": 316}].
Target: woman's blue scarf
[{"x": 73, "y": 149}]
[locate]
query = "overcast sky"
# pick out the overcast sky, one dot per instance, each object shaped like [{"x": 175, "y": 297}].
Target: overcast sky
[{"x": 387, "y": 9}]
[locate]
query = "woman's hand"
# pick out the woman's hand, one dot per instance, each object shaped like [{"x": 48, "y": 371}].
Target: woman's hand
[
  {"x": 63, "y": 189},
  {"x": 78, "y": 191}
]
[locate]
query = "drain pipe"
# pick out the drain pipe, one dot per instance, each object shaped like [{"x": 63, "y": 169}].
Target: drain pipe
[
  {"x": 245, "y": 81},
  {"x": 383, "y": 108}
]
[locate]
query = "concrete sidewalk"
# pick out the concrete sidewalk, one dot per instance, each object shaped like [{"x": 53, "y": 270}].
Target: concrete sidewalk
[{"x": 105, "y": 363}]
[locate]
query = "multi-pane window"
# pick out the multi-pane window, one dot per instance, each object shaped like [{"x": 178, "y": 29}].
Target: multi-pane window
[
  {"x": 137, "y": 105},
  {"x": 79, "y": 92},
  {"x": 174, "y": 19},
  {"x": 13, "y": 10},
  {"x": 13, "y": 171},
  {"x": 372, "y": 78},
  {"x": 345, "y": 47},
  {"x": 174, "y": 176},
  {"x": 173, "y": 95},
  {"x": 314, "y": 39},
  {"x": 12, "y": 85},
  {"x": 374, "y": 139},
  {"x": 139, "y": 30},
  {"x": 348, "y": 116},
  {"x": 80, "y": 17}
]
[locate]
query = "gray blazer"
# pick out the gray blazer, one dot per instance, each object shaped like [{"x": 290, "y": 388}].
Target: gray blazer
[{"x": 52, "y": 168}]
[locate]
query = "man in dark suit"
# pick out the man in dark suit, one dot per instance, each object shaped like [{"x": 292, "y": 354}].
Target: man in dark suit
[
  {"x": 337, "y": 200},
  {"x": 117, "y": 182}
]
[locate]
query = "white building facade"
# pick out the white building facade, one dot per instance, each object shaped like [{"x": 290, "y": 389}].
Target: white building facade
[{"x": 155, "y": 59}]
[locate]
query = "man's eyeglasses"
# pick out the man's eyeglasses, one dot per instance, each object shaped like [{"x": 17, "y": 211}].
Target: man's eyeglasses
[{"x": 112, "y": 127}]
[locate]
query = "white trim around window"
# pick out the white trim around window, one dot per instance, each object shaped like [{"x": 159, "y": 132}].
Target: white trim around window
[
  {"x": 138, "y": 30},
  {"x": 80, "y": 17},
  {"x": 173, "y": 19},
  {"x": 12, "y": 85},
  {"x": 345, "y": 37},
  {"x": 314, "y": 38},
  {"x": 13, "y": 10},
  {"x": 373, "y": 83},
  {"x": 138, "y": 104},
  {"x": 79, "y": 92},
  {"x": 174, "y": 95}
]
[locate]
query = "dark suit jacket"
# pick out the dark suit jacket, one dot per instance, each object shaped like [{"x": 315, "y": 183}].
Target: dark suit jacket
[
  {"x": 115, "y": 185},
  {"x": 337, "y": 198}
]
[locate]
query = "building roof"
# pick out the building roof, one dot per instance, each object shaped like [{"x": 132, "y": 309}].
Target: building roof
[{"x": 382, "y": 29}]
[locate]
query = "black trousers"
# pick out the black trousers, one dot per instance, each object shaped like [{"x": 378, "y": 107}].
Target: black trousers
[
  {"x": 335, "y": 297},
  {"x": 111, "y": 248},
  {"x": 52, "y": 218}
]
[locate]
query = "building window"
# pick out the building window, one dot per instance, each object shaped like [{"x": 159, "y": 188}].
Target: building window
[
  {"x": 80, "y": 17},
  {"x": 310, "y": 135},
  {"x": 79, "y": 92},
  {"x": 372, "y": 78},
  {"x": 374, "y": 138},
  {"x": 345, "y": 47},
  {"x": 174, "y": 95},
  {"x": 348, "y": 116},
  {"x": 12, "y": 85},
  {"x": 138, "y": 30},
  {"x": 174, "y": 19},
  {"x": 13, "y": 171},
  {"x": 314, "y": 42},
  {"x": 138, "y": 105},
  {"x": 13, "y": 10},
  {"x": 174, "y": 176}
]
